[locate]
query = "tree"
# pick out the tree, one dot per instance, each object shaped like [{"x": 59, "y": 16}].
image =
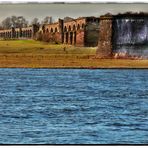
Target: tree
[
  {"x": 35, "y": 21},
  {"x": 21, "y": 22},
  {"x": 14, "y": 21},
  {"x": 1, "y": 28},
  {"x": 6, "y": 23},
  {"x": 47, "y": 20}
]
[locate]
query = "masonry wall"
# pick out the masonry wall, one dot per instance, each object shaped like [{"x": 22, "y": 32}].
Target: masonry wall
[
  {"x": 104, "y": 49},
  {"x": 74, "y": 32},
  {"x": 78, "y": 32},
  {"x": 19, "y": 33}
]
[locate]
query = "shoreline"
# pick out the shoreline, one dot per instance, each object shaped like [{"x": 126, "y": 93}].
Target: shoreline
[
  {"x": 84, "y": 68},
  {"x": 27, "y": 60},
  {"x": 21, "y": 61}
]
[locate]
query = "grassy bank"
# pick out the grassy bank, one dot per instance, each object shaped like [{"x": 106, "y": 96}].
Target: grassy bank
[{"x": 34, "y": 54}]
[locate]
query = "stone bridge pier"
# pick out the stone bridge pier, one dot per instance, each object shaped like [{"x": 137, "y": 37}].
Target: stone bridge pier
[{"x": 104, "y": 49}]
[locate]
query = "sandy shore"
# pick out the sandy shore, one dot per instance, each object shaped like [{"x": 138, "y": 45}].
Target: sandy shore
[{"x": 48, "y": 61}]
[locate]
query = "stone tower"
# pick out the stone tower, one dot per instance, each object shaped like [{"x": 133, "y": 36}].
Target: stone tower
[
  {"x": 61, "y": 22},
  {"x": 104, "y": 49}
]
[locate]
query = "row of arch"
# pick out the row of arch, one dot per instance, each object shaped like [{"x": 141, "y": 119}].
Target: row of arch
[
  {"x": 66, "y": 28},
  {"x": 16, "y": 34},
  {"x": 73, "y": 28},
  {"x": 52, "y": 30}
]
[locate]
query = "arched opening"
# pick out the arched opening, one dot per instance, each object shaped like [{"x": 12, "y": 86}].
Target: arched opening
[
  {"x": 69, "y": 28},
  {"x": 66, "y": 37},
  {"x": 74, "y": 38},
  {"x": 17, "y": 34},
  {"x": 47, "y": 31},
  {"x": 65, "y": 29},
  {"x": 83, "y": 26},
  {"x": 30, "y": 33},
  {"x": 78, "y": 27},
  {"x": 74, "y": 27},
  {"x": 6, "y": 34},
  {"x": 56, "y": 30},
  {"x": 14, "y": 34},
  {"x": 43, "y": 28},
  {"x": 25, "y": 33},
  {"x": 51, "y": 30},
  {"x": 71, "y": 37}
]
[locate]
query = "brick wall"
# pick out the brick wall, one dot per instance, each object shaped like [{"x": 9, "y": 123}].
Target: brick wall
[{"x": 105, "y": 37}]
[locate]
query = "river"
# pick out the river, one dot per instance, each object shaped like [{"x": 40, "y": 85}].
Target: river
[{"x": 73, "y": 106}]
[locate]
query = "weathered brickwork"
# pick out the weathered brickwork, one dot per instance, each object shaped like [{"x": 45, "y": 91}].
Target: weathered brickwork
[
  {"x": 105, "y": 37},
  {"x": 19, "y": 33},
  {"x": 82, "y": 31}
]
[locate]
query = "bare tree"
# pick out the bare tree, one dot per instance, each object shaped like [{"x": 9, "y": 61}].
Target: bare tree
[
  {"x": 35, "y": 21},
  {"x": 47, "y": 20},
  {"x": 6, "y": 23},
  {"x": 21, "y": 22},
  {"x": 14, "y": 21}
]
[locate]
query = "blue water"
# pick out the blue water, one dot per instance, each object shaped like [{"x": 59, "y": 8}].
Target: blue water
[{"x": 59, "y": 106}]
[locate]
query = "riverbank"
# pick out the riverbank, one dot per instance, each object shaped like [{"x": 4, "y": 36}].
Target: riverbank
[{"x": 34, "y": 54}]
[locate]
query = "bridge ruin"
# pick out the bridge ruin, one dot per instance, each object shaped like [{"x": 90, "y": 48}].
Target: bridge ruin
[{"x": 111, "y": 34}]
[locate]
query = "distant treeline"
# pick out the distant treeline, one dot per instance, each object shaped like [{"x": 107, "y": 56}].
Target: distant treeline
[{"x": 20, "y": 21}]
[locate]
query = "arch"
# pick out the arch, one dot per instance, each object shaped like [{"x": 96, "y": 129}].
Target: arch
[
  {"x": 56, "y": 30},
  {"x": 6, "y": 34},
  {"x": 25, "y": 33},
  {"x": 14, "y": 34},
  {"x": 69, "y": 28},
  {"x": 9, "y": 34},
  {"x": 47, "y": 30},
  {"x": 30, "y": 33},
  {"x": 17, "y": 34},
  {"x": 78, "y": 27},
  {"x": 71, "y": 38},
  {"x": 51, "y": 30},
  {"x": 65, "y": 29},
  {"x": 74, "y": 38},
  {"x": 83, "y": 26},
  {"x": 67, "y": 37},
  {"x": 74, "y": 27}
]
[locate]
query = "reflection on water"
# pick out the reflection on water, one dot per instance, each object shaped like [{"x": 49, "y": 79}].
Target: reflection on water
[{"x": 55, "y": 106}]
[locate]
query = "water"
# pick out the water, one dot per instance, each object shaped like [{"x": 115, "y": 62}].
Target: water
[{"x": 55, "y": 106}]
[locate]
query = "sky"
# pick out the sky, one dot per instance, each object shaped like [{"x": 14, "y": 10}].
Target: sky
[{"x": 75, "y": 10}]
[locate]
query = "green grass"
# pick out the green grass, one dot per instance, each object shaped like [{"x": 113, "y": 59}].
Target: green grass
[{"x": 31, "y": 46}]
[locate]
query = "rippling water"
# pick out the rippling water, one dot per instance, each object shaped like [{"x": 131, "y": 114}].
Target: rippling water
[{"x": 55, "y": 106}]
